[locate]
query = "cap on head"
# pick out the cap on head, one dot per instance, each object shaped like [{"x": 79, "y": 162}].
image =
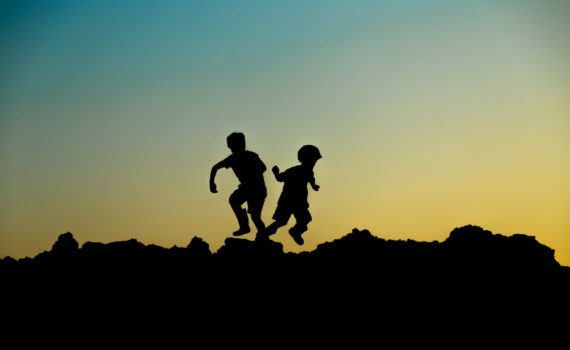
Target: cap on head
[
  {"x": 236, "y": 140},
  {"x": 309, "y": 153}
]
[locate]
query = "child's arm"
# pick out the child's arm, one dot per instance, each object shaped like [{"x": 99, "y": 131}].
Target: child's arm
[
  {"x": 314, "y": 185},
  {"x": 262, "y": 166},
  {"x": 215, "y": 169},
  {"x": 278, "y": 175}
]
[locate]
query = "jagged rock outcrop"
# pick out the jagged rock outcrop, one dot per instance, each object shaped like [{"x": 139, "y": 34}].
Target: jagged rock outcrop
[
  {"x": 199, "y": 247},
  {"x": 469, "y": 247},
  {"x": 474, "y": 277},
  {"x": 478, "y": 248},
  {"x": 65, "y": 245}
]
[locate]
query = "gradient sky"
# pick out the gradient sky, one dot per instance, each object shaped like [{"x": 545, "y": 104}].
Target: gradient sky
[{"x": 430, "y": 115}]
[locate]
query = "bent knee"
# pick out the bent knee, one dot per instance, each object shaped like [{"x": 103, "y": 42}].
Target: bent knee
[{"x": 234, "y": 200}]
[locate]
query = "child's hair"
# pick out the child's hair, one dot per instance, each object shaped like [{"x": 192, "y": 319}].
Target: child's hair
[{"x": 236, "y": 140}]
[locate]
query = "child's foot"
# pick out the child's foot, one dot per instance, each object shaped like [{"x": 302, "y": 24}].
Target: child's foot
[
  {"x": 261, "y": 236},
  {"x": 242, "y": 231},
  {"x": 296, "y": 234}
]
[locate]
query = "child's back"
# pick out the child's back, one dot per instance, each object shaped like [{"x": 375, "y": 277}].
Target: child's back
[{"x": 295, "y": 191}]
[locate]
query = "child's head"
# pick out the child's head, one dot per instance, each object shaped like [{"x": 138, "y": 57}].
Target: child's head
[
  {"x": 236, "y": 142},
  {"x": 308, "y": 155}
]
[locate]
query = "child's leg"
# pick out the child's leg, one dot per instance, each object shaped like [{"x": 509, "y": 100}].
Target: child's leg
[
  {"x": 271, "y": 229},
  {"x": 303, "y": 217},
  {"x": 281, "y": 217},
  {"x": 236, "y": 201},
  {"x": 254, "y": 207},
  {"x": 259, "y": 224}
]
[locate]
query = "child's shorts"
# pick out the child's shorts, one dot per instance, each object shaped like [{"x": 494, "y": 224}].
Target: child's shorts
[
  {"x": 254, "y": 200},
  {"x": 284, "y": 212}
]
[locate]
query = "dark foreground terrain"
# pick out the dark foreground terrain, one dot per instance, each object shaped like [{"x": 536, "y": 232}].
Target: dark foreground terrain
[{"x": 474, "y": 282}]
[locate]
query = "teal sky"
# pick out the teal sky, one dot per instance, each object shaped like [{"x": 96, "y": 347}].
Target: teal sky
[{"x": 429, "y": 114}]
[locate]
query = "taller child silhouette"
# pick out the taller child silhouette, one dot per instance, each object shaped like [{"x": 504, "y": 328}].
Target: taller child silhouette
[{"x": 249, "y": 170}]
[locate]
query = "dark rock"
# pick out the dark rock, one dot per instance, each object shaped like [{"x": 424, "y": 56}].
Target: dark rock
[
  {"x": 237, "y": 248},
  {"x": 65, "y": 245},
  {"x": 198, "y": 246},
  {"x": 473, "y": 269}
]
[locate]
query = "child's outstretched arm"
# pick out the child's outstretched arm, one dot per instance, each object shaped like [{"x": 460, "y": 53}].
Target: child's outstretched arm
[
  {"x": 215, "y": 168},
  {"x": 314, "y": 185},
  {"x": 278, "y": 175}
]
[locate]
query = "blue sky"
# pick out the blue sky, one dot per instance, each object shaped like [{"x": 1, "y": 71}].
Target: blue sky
[{"x": 112, "y": 113}]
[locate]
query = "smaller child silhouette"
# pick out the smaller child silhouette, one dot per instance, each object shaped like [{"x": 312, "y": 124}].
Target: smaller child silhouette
[{"x": 293, "y": 199}]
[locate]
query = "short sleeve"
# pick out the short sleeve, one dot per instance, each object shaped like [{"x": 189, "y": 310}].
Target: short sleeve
[
  {"x": 291, "y": 174},
  {"x": 260, "y": 164},
  {"x": 227, "y": 163}
]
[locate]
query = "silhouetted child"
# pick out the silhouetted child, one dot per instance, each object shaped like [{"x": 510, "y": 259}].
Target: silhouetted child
[
  {"x": 249, "y": 170},
  {"x": 293, "y": 199}
]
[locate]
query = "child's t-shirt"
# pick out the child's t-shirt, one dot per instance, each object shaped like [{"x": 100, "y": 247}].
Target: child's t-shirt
[
  {"x": 295, "y": 190},
  {"x": 248, "y": 168}
]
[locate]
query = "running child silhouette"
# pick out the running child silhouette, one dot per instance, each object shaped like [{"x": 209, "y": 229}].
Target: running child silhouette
[
  {"x": 294, "y": 198},
  {"x": 249, "y": 170}
]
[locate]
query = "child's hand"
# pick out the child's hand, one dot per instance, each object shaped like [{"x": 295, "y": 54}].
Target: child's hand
[
  {"x": 275, "y": 170},
  {"x": 213, "y": 187}
]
